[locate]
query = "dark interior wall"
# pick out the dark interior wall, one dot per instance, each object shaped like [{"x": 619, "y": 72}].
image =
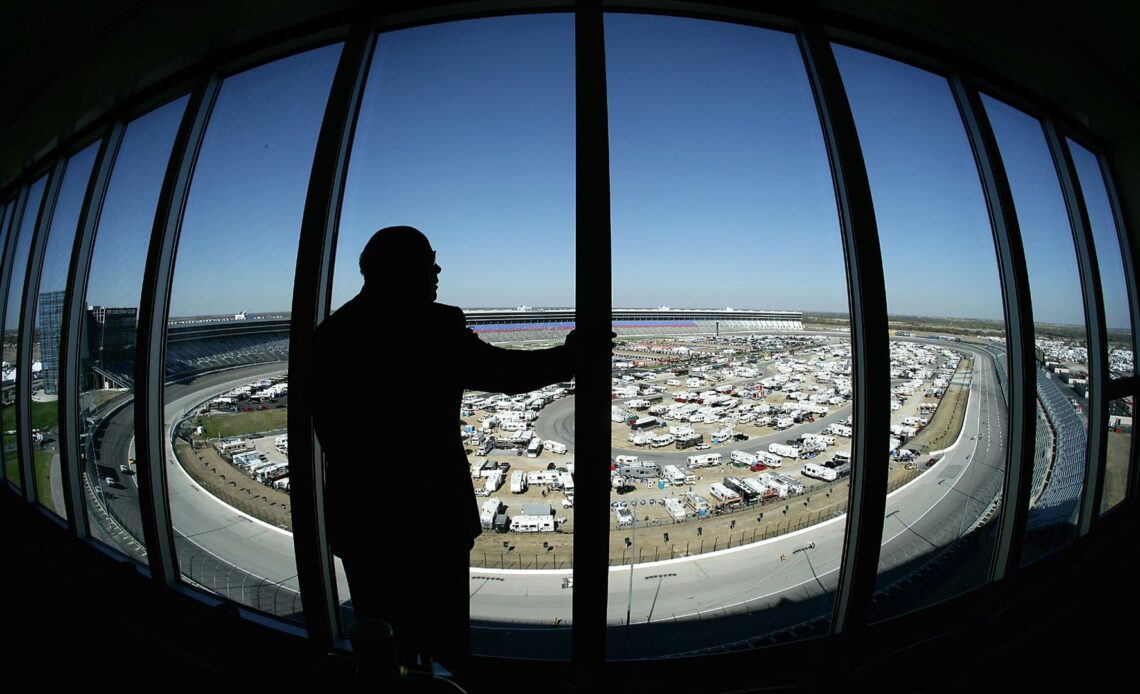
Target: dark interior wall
[{"x": 67, "y": 64}]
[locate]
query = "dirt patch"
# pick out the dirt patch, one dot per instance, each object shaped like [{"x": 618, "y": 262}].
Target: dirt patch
[
  {"x": 947, "y": 421},
  {"x": 1116, "y": 469},
  {"x": 217, "y": 476},
  {"x": 686, "y": 538}
]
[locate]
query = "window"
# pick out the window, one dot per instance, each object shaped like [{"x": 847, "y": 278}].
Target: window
[
  {"x": 49, "y": 306},
  {"x": 732, "y": 380},
  {"x": 107, "y": 362},
  {"x": 24, "y": 230},
  {"x": 1059, "y": 328},
  {"x": 1110, "y": 261},
  {"x": 466, "y": 132},
  {"x": 949, "y": 421},
  {"x": 227, "y": 333},
  {"x": 734, "y": 402}
]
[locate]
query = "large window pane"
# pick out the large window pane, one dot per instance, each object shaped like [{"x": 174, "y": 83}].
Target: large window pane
[
  {"x": 228, "y": 333},
  {"x": 1059, "y": 328},
  {"x": 1110, "y": 260},
  {"x": 107, "y": 358},
  {"x": 466, "y": 132},
  {"x": 24, "y": 230},
  {"x": 49, "y": 320},
  {"x": 722, "y": 197},
  {"x": 948, "y": 406}
]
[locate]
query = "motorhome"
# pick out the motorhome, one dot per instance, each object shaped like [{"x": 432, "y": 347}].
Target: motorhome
[
  {"x": 674, "y": 475},
  {"x": 819, "y": 472},
  {"x": 704, "y": 460}
]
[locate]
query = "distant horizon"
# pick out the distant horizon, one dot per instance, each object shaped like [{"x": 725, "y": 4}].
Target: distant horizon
[{"x": 805, "y": 314}]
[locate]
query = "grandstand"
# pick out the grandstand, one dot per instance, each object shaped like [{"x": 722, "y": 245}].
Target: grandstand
[
  {"x": 194, "y": 347},
  {"x": 1064, "y": 479},
  {"x": 525, "y": 324}
]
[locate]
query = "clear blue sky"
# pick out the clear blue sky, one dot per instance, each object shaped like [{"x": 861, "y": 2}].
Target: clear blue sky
[
  {"x": 23, "y": 245},
  {"x": 127, "y": 219},
  {"x": 466, "y": 132},
  {"x": 1050, "y": 256},
  {"x": 1105, "y": 237},
  {"x": 721, "y": 192},
  {"x": 69, "y": 203},
  {"x": 934, "y": 231}
]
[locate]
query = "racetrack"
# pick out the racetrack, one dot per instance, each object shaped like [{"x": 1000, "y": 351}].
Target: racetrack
[{"x": 737, "y": 593}]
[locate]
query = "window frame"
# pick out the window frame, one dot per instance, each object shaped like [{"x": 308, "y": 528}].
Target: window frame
[{"x": 815, "y": 29}]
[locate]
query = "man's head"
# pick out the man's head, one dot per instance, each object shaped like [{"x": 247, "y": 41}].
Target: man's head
[{"x": 400, "y": 260}]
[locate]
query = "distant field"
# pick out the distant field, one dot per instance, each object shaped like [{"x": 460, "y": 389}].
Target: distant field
[{"x": 241, "y": 423}]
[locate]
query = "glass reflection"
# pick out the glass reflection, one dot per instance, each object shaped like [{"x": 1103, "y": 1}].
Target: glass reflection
[{"x": 947, "y": 398}]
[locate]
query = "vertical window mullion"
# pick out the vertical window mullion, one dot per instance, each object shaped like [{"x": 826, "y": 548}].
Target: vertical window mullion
[
  {"x": 311, "y": 286},
  {"x": 69, "y": 385},
  {"x": 870, "y": 349},
  {"x": 150, "y": 361},
  {"x": 593, "y": 280},
  {"x": 1094, "y": 319},
  {"x": 1019, "y": 328},
  {"x": 27, "y": 327}
]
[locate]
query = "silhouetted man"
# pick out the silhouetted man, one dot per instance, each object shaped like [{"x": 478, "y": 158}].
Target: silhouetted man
[{"x": 400, "y": 505}]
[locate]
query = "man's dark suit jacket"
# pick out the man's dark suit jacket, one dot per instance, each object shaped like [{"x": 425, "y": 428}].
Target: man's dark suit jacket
[{"x": 389, "y": 384}]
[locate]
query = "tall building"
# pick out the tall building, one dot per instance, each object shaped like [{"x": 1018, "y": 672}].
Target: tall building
[{"x": 50, "y": 321}]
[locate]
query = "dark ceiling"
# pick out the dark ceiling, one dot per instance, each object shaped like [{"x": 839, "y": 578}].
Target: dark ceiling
[{"x": 69, "y": 63}]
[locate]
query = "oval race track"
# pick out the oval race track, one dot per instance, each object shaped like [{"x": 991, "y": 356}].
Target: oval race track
[{"x": 735, "y": 586}]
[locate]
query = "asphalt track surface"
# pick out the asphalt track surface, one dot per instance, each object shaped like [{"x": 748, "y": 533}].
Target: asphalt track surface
[{"x": 674, "y": 606}]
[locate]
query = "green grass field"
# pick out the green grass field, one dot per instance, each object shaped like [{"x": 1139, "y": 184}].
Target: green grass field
[
  {"x": 45, "y": 415},
  {"x": 43, "y": 479},
  {"x": 11, "y": 467},
  {"x": 240, "y": 423}
]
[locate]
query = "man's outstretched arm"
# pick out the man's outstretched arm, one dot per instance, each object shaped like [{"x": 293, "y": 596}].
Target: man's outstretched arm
[{"x": 510, "y": 371}]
